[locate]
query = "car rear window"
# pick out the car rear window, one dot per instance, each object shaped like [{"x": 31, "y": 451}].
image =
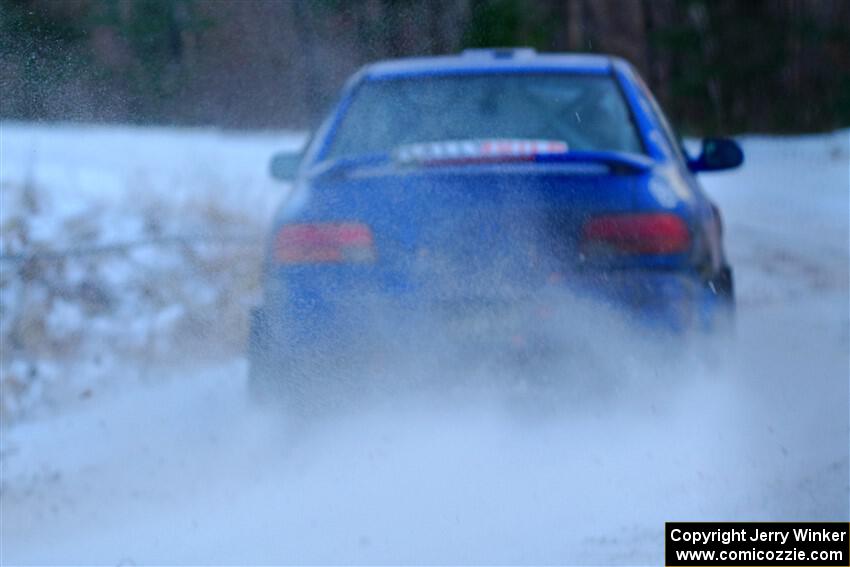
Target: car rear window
[{"x": 587, "y": 112}]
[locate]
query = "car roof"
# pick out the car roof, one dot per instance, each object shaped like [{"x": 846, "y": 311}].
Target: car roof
[{"x": 492, "y": 60}]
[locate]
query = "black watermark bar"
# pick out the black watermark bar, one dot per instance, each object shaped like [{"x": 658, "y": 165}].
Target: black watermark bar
[{"x": 693, "y": 544}]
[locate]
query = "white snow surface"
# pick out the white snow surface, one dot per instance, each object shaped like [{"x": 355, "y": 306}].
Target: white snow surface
[{"x": 180, "y": 468}]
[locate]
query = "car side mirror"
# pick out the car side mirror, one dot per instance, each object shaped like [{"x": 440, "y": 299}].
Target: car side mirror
[
  {"x": 284, "y": 166},
  {"x": 717, "y": 154}
]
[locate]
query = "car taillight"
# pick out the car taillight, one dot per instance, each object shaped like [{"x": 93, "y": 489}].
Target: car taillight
[
  {"x": 324, "y": 242},
  {"x": 640, "y": 233}
]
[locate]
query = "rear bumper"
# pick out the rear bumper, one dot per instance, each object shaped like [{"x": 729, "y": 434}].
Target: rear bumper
[{"x": 666, "y": 302}]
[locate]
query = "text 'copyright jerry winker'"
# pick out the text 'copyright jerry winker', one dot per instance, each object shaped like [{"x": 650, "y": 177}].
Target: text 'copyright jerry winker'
[{"x": 757, "y": 543}]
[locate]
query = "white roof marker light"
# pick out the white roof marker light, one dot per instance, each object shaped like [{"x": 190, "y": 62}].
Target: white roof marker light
[{"x": 500, "y": 52}]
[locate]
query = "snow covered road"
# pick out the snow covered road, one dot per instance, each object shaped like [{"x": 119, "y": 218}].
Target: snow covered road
[{"x": 179, "y": 469}]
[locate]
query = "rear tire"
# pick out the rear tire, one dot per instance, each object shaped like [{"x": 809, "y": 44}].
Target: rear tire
[
  {"x": 716, "y": 347},
  {"x": 272, "y": 378},
  {"x": 280, "y": 385},
  {"x": 723, "y": 285}
]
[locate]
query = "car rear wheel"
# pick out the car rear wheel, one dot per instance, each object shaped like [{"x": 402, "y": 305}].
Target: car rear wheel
[
  {"x": 273, "y": 378},
  {"x": 723, "y": 286}
]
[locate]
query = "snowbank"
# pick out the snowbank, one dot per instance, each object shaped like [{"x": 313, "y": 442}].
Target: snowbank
[{"x": 125, "y": 248}]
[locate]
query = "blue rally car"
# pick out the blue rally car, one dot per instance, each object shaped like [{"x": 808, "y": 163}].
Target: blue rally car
[{"x": 443, "y": 188}]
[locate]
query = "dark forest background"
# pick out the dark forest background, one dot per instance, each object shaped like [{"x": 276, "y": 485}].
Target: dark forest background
[{"x": 718, "y": 66}]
